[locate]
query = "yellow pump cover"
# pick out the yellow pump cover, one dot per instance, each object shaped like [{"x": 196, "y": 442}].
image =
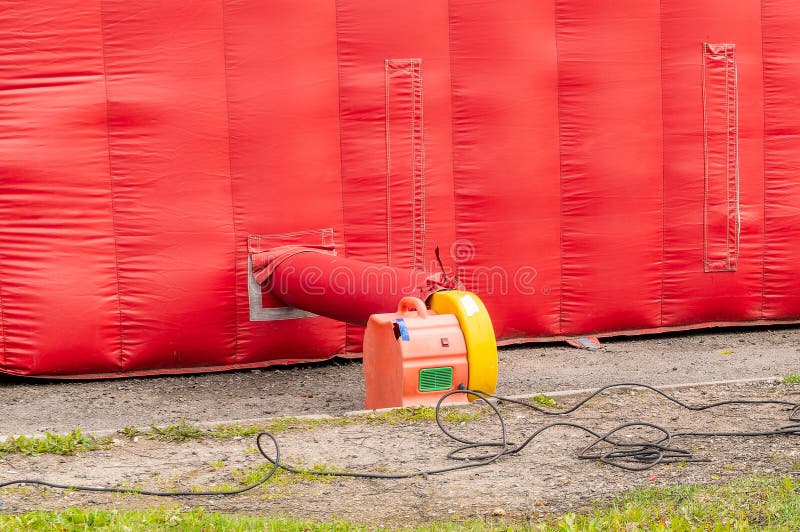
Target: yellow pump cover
[{"x": 478, "y": 333}]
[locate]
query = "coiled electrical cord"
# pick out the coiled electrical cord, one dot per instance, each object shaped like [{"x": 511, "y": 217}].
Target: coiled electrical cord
[
  {"x": 631, "y": 455},
  {"x": 627, "y": 455}
]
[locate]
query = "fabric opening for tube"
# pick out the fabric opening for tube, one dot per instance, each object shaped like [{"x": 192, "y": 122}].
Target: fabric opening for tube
[
  {"x": 721, "y": 218},
  {"x": 339, "y": 288}
]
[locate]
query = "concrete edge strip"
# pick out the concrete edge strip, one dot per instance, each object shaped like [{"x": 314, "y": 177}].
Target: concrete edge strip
[
  {"x": 104, "y": 433},
  {"x": 586, "y": 391}
]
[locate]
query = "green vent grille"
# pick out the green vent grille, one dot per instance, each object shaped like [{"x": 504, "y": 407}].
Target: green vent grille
[{"x": 435, "y": 379}]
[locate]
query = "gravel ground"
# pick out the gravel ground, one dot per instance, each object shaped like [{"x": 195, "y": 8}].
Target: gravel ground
[
  {"x": 544, "y": 479},
  {"x": 30, "y": 407}
]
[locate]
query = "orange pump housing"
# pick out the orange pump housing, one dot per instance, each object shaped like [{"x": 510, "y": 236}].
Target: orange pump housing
[{"x": 398, "y": 346}]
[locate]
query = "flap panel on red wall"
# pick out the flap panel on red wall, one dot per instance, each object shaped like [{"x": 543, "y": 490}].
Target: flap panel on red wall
[
  {"x": 397, "y": 185},
  {"x": 284, "y": 146},
  {"x": 713, "y": 186},
  {"x": 170, "y": 179},
  {"x": 58, "y": 291},
  {"x": 611, "y": 166},
  {"x": 506, "y": 164},
  {"x": 781, "y": 19}
]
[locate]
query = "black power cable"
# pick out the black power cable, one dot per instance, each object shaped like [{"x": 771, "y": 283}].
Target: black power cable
[
  {"x": 627, "y": 455},
  {"x": 631, "y": 455}
]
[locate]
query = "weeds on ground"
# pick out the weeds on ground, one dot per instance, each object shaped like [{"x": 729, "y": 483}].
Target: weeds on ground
[
  {"x": 791, "y": 378},
  {"x": 283, "y": 424},
  {"x": 184, "y": 431},
  {"x": 130, "y": 432},
  {"x": 234, "y": 430},
  {"x": 316, "y": 473},
  {"x": 71, "y": 443},
  {"x": 246, "y": 477},
  {"x": 545, "y": 401},
  {"x": 179, "y": 432},
  {"x": 421, "y": 414},
  {"x": 390, "y": 417},
  {"x": 275, "y": 426}
]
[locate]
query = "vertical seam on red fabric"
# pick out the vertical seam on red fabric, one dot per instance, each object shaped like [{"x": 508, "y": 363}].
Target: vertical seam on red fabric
[
  {"x": 705, "y": 165},
  {"x": 663, "y": 165},
  {"x": 452, "y": 118},
  {"x": 560, "y": 178},
  {"x": 230, "y": 181},
  {"x": 341, "y": 145},
  {"x": 2, "y": 326},
  {"x": 764, "y": 163},
  {"x": 111, "y": 186}
]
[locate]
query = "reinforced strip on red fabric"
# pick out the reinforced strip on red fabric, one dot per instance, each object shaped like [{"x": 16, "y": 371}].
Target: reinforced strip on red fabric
[
  {"x": 405, "y": 164},
  {"x": 721, "y": 147}
]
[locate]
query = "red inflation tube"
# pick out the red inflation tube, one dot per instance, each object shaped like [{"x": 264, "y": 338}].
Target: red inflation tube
[{"x": 348, "y": 290}]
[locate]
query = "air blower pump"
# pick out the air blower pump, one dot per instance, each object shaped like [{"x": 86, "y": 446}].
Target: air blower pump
[
  {"x": 439, "y": 339},
  {"x": 413, "y": 356}
]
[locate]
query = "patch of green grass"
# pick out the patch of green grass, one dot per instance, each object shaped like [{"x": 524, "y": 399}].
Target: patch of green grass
[
  {"x": 391, "y": 417},
  {"x": 234, "y": 430},
  {"x": 455, "y": 415},
  {"x": 71, "y": 443},
  {"x": 16, "y": 490},
  {"x": 161, "y": 519},
  {"x": 283, "y": 424},
  {"x": 179, "y": 432},
  {"x": 183, "y": 431},
  {"x": 545, "y": 401},
  {"x": 791, "y": 378},
  {"x": 400, "y": 415},
  {"x": 421, "y": 414},
  {"x": 248, "y": 476},
  {"x": 771, "y": 503},
  {"x": 315, "y": 473},
  {"x": 276, "y": 426},
  {"x": 130, "y": 432}
]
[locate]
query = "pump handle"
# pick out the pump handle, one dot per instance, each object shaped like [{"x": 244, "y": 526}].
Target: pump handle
[{"x": 410, "y": 302}]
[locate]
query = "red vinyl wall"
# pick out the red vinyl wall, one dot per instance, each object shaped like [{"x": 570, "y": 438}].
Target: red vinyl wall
[{"x": 585, "y": 167}]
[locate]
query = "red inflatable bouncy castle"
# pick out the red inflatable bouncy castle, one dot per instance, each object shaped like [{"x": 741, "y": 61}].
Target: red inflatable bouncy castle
[{"x": 586, "y": 167}]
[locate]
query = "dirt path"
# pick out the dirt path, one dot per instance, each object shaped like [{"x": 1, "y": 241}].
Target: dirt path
[
  {"x": 336, "y": 387},
  {"x": 546, "y": 478}
]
